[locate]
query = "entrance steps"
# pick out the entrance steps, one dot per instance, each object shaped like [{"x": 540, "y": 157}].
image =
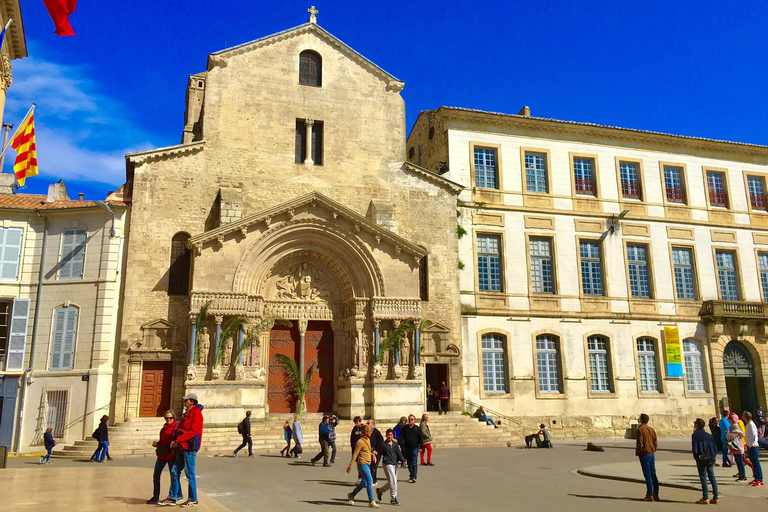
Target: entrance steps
[{"x": 134, "y": 437}]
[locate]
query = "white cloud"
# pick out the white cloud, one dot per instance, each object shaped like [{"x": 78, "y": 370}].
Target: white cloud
[{"x": 81, "y": 133}]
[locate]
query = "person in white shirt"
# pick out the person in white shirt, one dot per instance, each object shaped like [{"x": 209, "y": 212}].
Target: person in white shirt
[{"x": 752, "y": 448}]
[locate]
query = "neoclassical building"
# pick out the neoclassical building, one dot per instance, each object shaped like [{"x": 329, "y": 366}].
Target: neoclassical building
[{"x": 290, "y": 198}]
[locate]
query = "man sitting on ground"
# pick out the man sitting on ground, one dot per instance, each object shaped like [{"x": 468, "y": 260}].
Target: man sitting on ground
[{"x": 480, "y": 415}]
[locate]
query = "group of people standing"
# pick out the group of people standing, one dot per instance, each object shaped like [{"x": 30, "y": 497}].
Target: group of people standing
[{"x": 740, "y": 438}]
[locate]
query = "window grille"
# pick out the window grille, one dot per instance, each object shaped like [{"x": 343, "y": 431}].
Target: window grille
[
  {"x": 310, "y": 68},
  {"x": 56, "y": 403}
]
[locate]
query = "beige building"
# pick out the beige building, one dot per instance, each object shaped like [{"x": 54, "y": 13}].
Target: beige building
[
  {"x": 289, "y": 198},
  {"x": 606, "y": 271},
  {"x": 60, "y": 279}
]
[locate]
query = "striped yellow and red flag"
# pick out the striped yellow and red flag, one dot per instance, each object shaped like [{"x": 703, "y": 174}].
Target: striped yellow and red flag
[{"x": 23, "y": 142}]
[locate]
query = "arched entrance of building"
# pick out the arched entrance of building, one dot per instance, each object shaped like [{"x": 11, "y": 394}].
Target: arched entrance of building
[{"x": 739, "y": 369}]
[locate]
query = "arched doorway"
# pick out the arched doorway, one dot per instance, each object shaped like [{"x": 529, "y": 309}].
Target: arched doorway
[{"x": 739, "y": 371}]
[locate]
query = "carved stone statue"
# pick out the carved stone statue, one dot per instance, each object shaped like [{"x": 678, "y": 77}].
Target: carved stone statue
[
  {"x": 191, "y": 373},
  {"x": 247, "y": 356},
  {"x": 239, "y": 372},
  {"x": 366, "y": 349},
  {"x": 205, "y": 347},
  {"x": 228, "y": 356},
  {"x": 405, "y": 351},
  {"x": 302, "y": 282}
]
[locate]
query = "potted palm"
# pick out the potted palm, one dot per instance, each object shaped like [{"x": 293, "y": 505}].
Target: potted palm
[{"x": 297, "y": 383}]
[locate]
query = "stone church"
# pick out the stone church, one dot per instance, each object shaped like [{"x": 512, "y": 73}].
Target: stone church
[{"x": 289, "y": 198}]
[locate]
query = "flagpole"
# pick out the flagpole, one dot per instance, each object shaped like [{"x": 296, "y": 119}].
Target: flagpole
[{"x": 5, "y": 145}]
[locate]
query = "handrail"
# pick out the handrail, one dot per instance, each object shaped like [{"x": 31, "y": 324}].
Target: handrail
[{"x": 491, "y": 412}]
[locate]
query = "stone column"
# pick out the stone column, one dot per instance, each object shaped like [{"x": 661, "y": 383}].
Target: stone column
[
  {"x": 192, "y": 343},
  {"x": 219, "y": 319},
  {"x": 240, "y": 338},
  {"x": 376, "y": 339},
  {"x": 302, "y": 332},
  {"x": 417, "y": 347},
  {"x": 308, "y": 125},
  {"x": 396, "y": 324}
]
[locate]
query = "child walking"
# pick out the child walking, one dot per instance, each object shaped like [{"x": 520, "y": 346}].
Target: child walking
[{"x": 49, "y": 444}]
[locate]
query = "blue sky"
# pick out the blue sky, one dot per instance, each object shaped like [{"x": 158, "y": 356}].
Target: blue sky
[{"x": 693, "y": 69}]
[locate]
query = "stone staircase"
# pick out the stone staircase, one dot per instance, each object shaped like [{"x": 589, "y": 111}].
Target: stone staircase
[{"x": 134, "y": 437}]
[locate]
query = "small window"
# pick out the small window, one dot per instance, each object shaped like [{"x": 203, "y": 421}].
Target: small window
[
  {"x": 178, "y": 275},
  {"x": 674, "y": 184},
  {"x": 647, "y": 365},
  {"x": 536, "y": 173},
  {"x": 489, "y": 263},
  {"x": 694, "y": 366},
  {"x": 757, "y": 196},
  {"x": 726, "y": 275},
  {"x": 542, "y": 273},
  {"x": 424, "y": 278},
  {"x": 310, "y": 68},
  {"x": 486, "y": 169},
  {"x": 685, "y": 284},
  {"x": 300, "y": 147},
  {"x": 630, "y": 180},
  {"x": 639, "y": 276},
  {"x": 431, "y": 132},
  {"x": 548, "y": 363},
  {"x": 591, "y": 268},
  {"x": 72, "y": 254},
  {"x": 411, "y": 153},
  {"x": 599, "y": 365},
  {"x": 494, "y": 367},
  {"x": 718, "y": 195},
  {"x": 584, "y": 176},
  {"x": 10, "y": 253},
  {"x": 64, "y": 338},
  {"x": 762, "y": 261}
]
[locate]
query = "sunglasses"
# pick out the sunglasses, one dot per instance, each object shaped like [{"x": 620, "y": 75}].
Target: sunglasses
[{"x": 169, "y": 417}]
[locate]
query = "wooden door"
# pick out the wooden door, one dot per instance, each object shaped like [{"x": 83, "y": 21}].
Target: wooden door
[
  {"x": 318, "y": 349},
  {"x": 282, "y": 340},
  {"x": 155, "y": 388}
]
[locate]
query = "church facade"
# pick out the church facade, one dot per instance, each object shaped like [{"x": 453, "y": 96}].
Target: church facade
[{"x": 289, "y": 199}]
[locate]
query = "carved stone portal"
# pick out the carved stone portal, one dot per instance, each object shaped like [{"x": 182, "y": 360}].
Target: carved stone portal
[{"x": 303, "y": 282}]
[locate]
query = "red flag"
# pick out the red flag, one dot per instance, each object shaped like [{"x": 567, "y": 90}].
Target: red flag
[{"x": 60, "y": 11}]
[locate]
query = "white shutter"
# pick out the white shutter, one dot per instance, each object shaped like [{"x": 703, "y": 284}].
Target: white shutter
[
  {"x": 70, "y": 330},
  {"x": 10, "y": 252},
  {"x": 58, "y": 338},
  {"x": 17, "y": 336},
  {"x": 72, "y": 254}
]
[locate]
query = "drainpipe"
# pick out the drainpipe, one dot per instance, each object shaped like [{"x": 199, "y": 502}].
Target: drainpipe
[
  {"x": 38, "y": 298},
  {"x": 104, "y": 205}
]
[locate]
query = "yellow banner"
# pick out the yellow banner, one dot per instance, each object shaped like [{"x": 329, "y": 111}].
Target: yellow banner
[{"x": 674, "y": 353}]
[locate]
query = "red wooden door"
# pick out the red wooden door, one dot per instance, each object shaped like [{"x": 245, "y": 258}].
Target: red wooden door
[
  {"x": 282, "y": 340},
  {"x": 318, "y": 349},
  {"x": 155, "y": 396}
]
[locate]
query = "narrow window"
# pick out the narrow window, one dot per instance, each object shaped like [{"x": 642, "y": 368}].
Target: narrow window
[
  {"x": 726, "y": 275},
  {"x": 717, "y": 193},
  {"x": 64, "y": 337},
  {"x": 317, "y": 143},
  {"x": 584, "y": 176},
  {"x": 542, "y": 279},
  {"x": 489, "y": 263},
  {"x": 10, "y": 253},
  {"x": 599, "y": 368},
  {"x": 591, "y": 268},
  {"x": 178, "y": 275},
  {"x": 685, "y": 287},
  {"x": 762, "y": 260},
  {"x": 548, "y": 363},
  {"x": 486, "y": 170},
  {"x": 5, "y": 323},
  {"x": 536, "y": 173},
  {"x": 674, "y": 184},
  {"x": 630, "y": 180},
  {"x": 17, "y": 335},
  {"x": 757, "y": 195},
  {"x": 310, "y": 68},
  {"x": 72, "y": 254},
  {"x": 639, "y": 278},
  {"x": 300, "y": 150},
  {"x": 494, "y": 369},
  {"x": 424, "y": 278},
  {"x": 646, "y": 360},
  {"x": 56, "y": 404},
  {"x": 694, "y": 366}
]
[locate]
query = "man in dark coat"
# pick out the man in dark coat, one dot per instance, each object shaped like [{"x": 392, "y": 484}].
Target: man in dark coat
[
  {"x": 705, "y": 454},
  {"x": 245, "y": 430},
  {"x": 411, "y": 441},
  {"x": 377, "y": 441}
]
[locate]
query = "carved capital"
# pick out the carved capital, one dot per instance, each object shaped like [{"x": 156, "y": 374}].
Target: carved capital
[
  {"x": 303, "y": 326},
  {"x": 219, "y": 319}
]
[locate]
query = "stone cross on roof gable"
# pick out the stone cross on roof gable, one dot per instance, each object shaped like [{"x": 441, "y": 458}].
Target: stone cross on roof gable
[{"x": 313, "y": 14}]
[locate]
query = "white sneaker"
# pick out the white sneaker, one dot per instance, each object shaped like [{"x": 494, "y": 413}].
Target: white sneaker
[{"x": 373, "y": 504}]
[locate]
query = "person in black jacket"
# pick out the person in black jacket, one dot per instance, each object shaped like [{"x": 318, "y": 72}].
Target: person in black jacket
[
  {"x": 705, "y": 454},
  {"x": 391, "y": 455},
  {"x": 377, "y": 440},
  {"x": 101, "y": 435},
  {"x": 357, "y": 432},
  {"x": 245, "y": 430},
  {"x": 49, "y": 444},
  {"x": 411, "y": 438}
]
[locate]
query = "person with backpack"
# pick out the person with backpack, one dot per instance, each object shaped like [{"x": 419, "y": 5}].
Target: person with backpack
[
  {"x": 49, "y": 444},
  {"x": 244, "y": 429},
  {"x": 101, "y": 435},
  {"x": 187, "y": 444},
  {"x": 704, "y": 452},
  {"x": 298, "y": 438},
  {"x": 166, "y": 457}
]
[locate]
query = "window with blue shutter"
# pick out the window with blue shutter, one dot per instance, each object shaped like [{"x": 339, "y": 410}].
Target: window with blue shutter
[
  {"x": 72, "y": 254},
  {"x": 17, "y": 336},
  {"x": 63, "y": 342},
  {"x": 10, "y": 253}
]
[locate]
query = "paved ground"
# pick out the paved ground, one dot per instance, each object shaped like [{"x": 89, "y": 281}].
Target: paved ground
[{"x": 462, "y": 480}]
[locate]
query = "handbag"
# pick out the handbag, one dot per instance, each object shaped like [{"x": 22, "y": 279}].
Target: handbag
[
  {"x": 705, "y": 459},
  {"x": 162, "y": 451}
]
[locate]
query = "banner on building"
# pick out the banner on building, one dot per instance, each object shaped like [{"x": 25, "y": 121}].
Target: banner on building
[{"x": 674, "y": 353}]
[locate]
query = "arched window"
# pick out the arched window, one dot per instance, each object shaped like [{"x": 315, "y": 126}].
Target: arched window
[
  {"x": 310, "y": 68},
  {"x": 599, "y": 364},
  {"x": 494, "y": 368},
  {"x": 647, "y": 364},
  {"x": 178, "y": 275},
  {"x": 64, "y": 337},
  {"x": 548, "y": 363},
  {"x": 694, "y": 366}
]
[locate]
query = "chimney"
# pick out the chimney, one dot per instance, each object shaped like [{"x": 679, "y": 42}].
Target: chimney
[
  {"x": 7, "y": 183},
  {"x": 525, "y": 111},
  {"x": 80, "y": 196},
  {"x": 57, "y": 192}
]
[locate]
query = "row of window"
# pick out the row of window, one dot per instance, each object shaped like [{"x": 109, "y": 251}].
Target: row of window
[
  {"x": 71, "y": 258},
  {"x": 550, "y": 372},
  {"x": 542, "y": 269},
  {"x": 537, "y": 179}
]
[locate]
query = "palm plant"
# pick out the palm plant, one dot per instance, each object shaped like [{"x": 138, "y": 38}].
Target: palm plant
[
  {"x": 200, "y": 322},
  {"x": 297, "y": 385},
  {"x": 228, "y": 330},
  {"x": 394, "y": 339},
  {"x": 265, "y": 324}
]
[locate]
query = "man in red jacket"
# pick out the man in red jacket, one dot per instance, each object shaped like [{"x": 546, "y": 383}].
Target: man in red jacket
[{"x": 187, "y": 443}]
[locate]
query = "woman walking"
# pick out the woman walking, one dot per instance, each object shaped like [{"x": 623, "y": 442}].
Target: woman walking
[
  {"x": 287, "y": 435},
  {"x": 298, "y": 438},
  {"x": 49, "y": 444},
  {"x": 101, "y": 435},
  {"x": 736, "y": 447},
  {"x": 166, "y": 457},
  {"x": 363, "y": 456}
]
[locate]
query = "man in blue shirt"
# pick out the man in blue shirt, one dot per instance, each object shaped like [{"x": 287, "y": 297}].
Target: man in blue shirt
[
  {"x": 324, "y": 432},
  {"x": 725, "y": 425}
]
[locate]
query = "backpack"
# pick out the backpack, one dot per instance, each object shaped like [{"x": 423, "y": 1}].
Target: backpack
[
  {"x": 240, "y": 429},
  {"x": 95, "y": 434}
]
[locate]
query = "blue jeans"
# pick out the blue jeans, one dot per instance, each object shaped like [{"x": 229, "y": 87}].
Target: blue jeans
[
  {"x": 757, "y": 469},
  {"x": 47, "y": 456},
  {"x": 246, "y": 441},
  {"x": 100, "y": 452},
  {"x": 739, "y": 458},
  {"x": 707, "y": 471},
  {"x": 186, "y": 461},
  {"x": 175, "y": 490},
  {"x": 487, "y": 420},
  {"x": 648, "y": 463},
  {"x": 726, "y": 460},
  {"x": 366, "y": 481},
  {"x": 412, "y": 457}
]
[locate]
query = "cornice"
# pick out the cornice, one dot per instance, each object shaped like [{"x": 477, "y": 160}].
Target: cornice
[
  {"x": 15, "y": 35},
  {"x": 153, "y": 155},
  {"x": 430, "y": 176}
]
